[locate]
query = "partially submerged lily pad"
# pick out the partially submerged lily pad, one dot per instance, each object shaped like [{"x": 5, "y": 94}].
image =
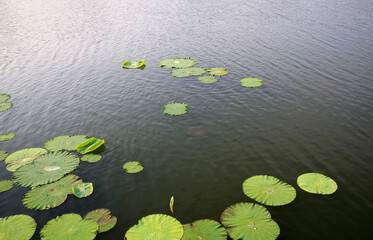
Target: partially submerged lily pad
[
  {"x": 251, "y": 82},
  {"x": 133, "y": 167},
  {"x": 7, "y": 137},
  {"x": 90, "y": 145},
  {"x": 207, "y": 79},
  {"x": 317, "y": 183},
  {"x": 69, "y": 227},
  {"x": 91, "y": 158},
  {"x": 46, "y": 168},
  {"x": 217, "y": 71},
  {"x": 177, "y": 63},
  {"x": 103, "y": 218},
  {"x": 156, "y": 226},
  {"x": 17, "y": 227},
  {"x": 82, "y": 190},
  {"x": 5, "y": 106},
  {"x": 68, "y": 142},
  {"x": 5, "y": 185},
  {"x": 187, "y": 72},
  {"x": 50, "y": 195},
  {"x": 4, "y": 97},
  {"x": 248, "y": 221},
  {"x": 175, "y": 108},
  {"x": 3, "y": 155},
  {"x": 134, "y": 64},
  {"x": 23, "y": 157},
  {"x": 205, "y": 229},
  {"x": 268, "y": 190}
]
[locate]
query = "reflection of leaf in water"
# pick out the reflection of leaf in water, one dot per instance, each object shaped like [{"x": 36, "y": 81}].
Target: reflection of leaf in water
[{"x": 196, "y": 132}]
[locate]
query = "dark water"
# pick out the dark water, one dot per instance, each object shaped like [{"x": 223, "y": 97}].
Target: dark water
[{"x": 61, "y": 62}]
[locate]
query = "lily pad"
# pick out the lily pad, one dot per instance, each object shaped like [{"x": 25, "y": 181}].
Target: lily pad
[
  {"x": 5, "y": 186},
  {"x": 187, "y": 72},
  {"x": 90, "y": 145},
  {"x": 177, "y": 63},
  {"x": 68, "y": 143},
  {"x": 133, "y": 167},
  {"x": 217, "y": 71},
  {"x": 4, "y": 97},
  {"x": 50, "y": 195},
  {"x": 204, "y": 229},
  {"x": 5, "y": 106},
  {"x": 156, "y": 226},
  {"x": 46, "y": 168},
  {"x": 248, "y": 221},
  {"x": 175, "y": 108},
  {"x": 317, "y": 183},
  {"x": 7, "y": 137},
  {"x": 134, "y": 64},
  {"x": 268, "y": 190},
  {"x": 69, "y": 227},
  {"x": 207, "y": 79},
  {"x": 17, "y": 227},
  {"x": 83, "y": 190},
  {"x": 251, "y": 82},
  {"x": 3, "y": 155},
  {"x": 103, "y": 218},
  {"x": 23, "y": 157},
  {"x": 91, "y": 158}
]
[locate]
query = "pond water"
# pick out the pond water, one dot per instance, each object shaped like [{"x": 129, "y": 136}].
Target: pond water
[{"x": 61, "y": 61}]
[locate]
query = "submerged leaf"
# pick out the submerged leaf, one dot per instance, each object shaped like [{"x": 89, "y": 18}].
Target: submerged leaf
[
  {"x": 4, "y": 97},
  {"x": 317, "y": 183},
  {"x": 187, "y": 72},
  {"x": 205, "y": 229},
  {"x": 207, "y": 79},
  {"x": 90, "y": 145},
  {"x": 82, "y": 190},
  {"x": 67, "y": 142},
  {"x": 175, "y": 108},
  {"x": 7, "y": 137},
  {"x": 217, "y": 71},
  {"x": 134, "y": 64},
  {"x": 91, "y": 158},
  {"x": 177, "y": 63},
  {"x": 133, "y": 167},
  {"x": 5, "y": 185},
  {"x": 3, "y": 155},
  {"x": 172, "y": 200},
  {"x": 251, "y": 82},
  {"x": 17, "y": 227},
  {"x": 5, "y": 106},
  {"x": 23, "y": 157},
  {"x": 103, "y": 218}
]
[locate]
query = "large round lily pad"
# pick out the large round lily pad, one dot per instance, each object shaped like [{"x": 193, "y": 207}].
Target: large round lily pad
[
  {"x": 134, "y": 64},
  {"x": 317, "y": 183},
  {"x": 187, "y": 72},
  {"x": 248, "y": 221},
  {"x": 103, "y": 218},
  {"x": 69, "y": 142},
  {"x": 217, "y": 71},
  {"x": 4, "y": 97},
  {"x": 82, "y": 190},
  {"x": 7, "y": 137},
  {"x": 90, "y": 145},
  {"x": 177, "y": 63},
  {"x": 251, "y": 82},
  {"x": 17, "y": 227},
  {"x": 23, "y": 157},
  {"x": 50, "y": 195},
  {"x": 156, "y": 226},
  {"x": 268, "y": 190},
  {"x": 91, "y": 158},
  {"x": 175, "y": 108},
  {"x": 46, "y": 168},
  {"x": 205, "y": 229},
  {"x": 3, "y": 155},
  {"x": 5, "y": 106},
  {"x": 133, "y": 167},
  {"x": 207, "y": 79},
  {"x": 5, "y": 185},
  {"x": 69, "y": 227}
]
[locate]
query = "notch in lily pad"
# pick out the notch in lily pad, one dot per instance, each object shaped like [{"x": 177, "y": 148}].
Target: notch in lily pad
[
  {"x": 251, "y": 82},
  {"x": 4, "y": 97},
  {"x": 177, "y": 63},
  {"x": 103, "y": 218},
  {"x": 134, "y": 64},
  {"x": 82, "y": 190},
  {"x": 90, "y": 145},
  {"x": 133, "y": 167},
  {"x": 317, "y": 183},
  {"x": 175, "y": 109}
]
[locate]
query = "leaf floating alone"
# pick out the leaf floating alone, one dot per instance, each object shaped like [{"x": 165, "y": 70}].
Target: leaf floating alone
[
  {"x": 205, "y": 229},
  {"x": 172, "y": 200},
  {"x": 17, "y": 227},
  {"x": 133, "y": 167},
  {"x": 69, "y": 227},
  {"x": 187, "y": 72},
  {"x": 317, "y": 183},
  {"x": 134, "y": 64},
  {"x": 7, "y": 137},
  {"x": 83, "y": 190},
  {"x": 91, "y": 158},
  {"x": 23, "y": 157},
  {"x": 5, "y": 106},
  {"x": 251, "y": 82},
  {"x": 177, "y": 63},
  {"x": 217, "y": 71},
  {"x": 4, "y": 97},
  {"x": 67, "y": 142},
  {"x": 207, "y": 79},
  {"x": 175, "y": 108},
  {"x": 90, "y": 145},
  {"x": 3, "y": 155},
  {"x": 103, "y": 218},
  {"x": 5, "y": 186}
]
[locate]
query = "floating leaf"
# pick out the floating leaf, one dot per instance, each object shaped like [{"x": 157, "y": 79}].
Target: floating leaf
[
  {"x": 46, "y": 168},
  {"x": 251, "y": 82},
  {"x": 90, "y": 145},
  {"x": 7, "y": 137},
  {"x": 50, "y": 195},
  {"x": 69, "y": 142},
  {"x": 23, "y": 157},
  {"x": 175, "y": 108},
  {"x": 156, "y": 226},
  {"x": 4, "y": 97},
  {"x": 317, "y": 183},
  {"x": 83, "y": 190},
  {"x": 103, "y": 218},
  {"x": 248, "y": 221},
  {"x": 205, "y": 229},
  {"x": 268, "y": 190},
  {"x": 17, "y": 227},
  {"x": 134, "y": 64},
  {"x": 69, "y": 227},
  {"x": 5, "y": 186},
  {"x": 133, "y": 167},
  {"x": 5, "y": 106},
  {"x": 217, "y": 71},
  {"x": 177, "y": 63},
  {"x": 3, "y": 155},
  {"x": 187, "y": 72},
  {"x": 207, "y": 79},
  {"x": 91, "y": 158},
  {"x": 172, "y": 200}
]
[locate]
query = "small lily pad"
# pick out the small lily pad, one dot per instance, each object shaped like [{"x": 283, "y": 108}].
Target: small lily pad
[
  {"x": 175, "y": 108},
  {"x": 133, "y": 167},
  {"x": 317, "y": 183},
  {"x": 5, "y": 186},
  {"x": 7, "y": 137},
  {"x": 82, "y": 190},
  {"x": 3, "y": 155},
  {"x": 177, "y": 63},
  {"x": 251, "y": 82},
  {"x": 103, "y": 218},
  {"x": 67, "y": 142},
  {"x": 187, "y": 72},
  {"x": 205, "y": 229},
  {"x": 23, "y": 157},
  {"x": 5, "y": 106},
  {"x": 134, "y": 64},
  {"x": 207, "y": 79},
  {"x": 17, "y": 227},
  {"x": 90, "y": 145},
  {"x": 4, "y": 97},
  {"x": 91, "y": 158},
  {"x": 217, "y": 71}
]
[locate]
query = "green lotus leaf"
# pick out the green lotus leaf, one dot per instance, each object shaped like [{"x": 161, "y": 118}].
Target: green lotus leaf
[
  {"x": 5, "y": 186},
  {"x": 69, "y": 227},
  {"x": 3, "y": 155},
  {"x": 103, "y": 218},
  {"x": 175, "y": 108},
  {"x": 156, "y": 226},
  {"x": 207, "y": 79},
  {"x": 217, "y": 71},
  {"x": 133, "y": 167},
  {"x": 177, "y": 63},
  {"x": 46, "y": 168},
  {"x": 50, "y": 195},
  {"x": 317, "y": 183},
  {"x": 204, "y": 229},
  {"x": 90, "y": 145},
  {"x": 91, "y": 158},
  {"x": 68, "y": 143},
  {"x": 7, "y": 137},
  {"x": 268, "y": 190},
  {"x": 187, "y": 72},
  {"x": 248, "y": 221},
  {"x": 83, "y": 190},
  {"x": 5, "y": 106},
  {"x": 134, "y": 64},
  {"x": 23, "y": 157},
  {"x": 251, "y": 82},
  {"x": 17, "y": 227},
  {"x": 4, "y": 97}
]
